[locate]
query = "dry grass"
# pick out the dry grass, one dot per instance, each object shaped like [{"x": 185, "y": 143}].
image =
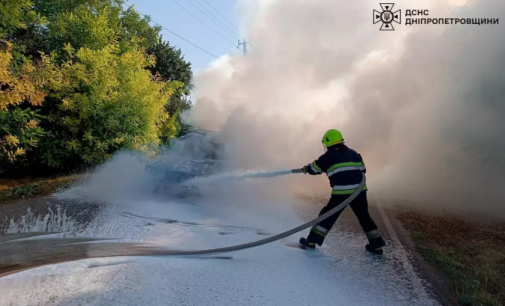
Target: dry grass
[
  {"x": 471, "y": 256},
  {"x": 12, "y": 189}
]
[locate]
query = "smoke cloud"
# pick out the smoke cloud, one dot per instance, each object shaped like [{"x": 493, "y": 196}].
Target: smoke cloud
[{"x": 424, "y": 104}]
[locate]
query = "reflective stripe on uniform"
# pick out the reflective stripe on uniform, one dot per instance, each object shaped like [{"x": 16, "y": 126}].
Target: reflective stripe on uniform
[
  {"x": 346, "y": 189},
  {"x": 373, "y": 234},
  {"x": 346, "y": 168},
  {"x": 315, "y": 167},
  {"x": 319, "y": 230},
  {"x": 350, "y": 166},
  {"x": 340, "y": 165}
]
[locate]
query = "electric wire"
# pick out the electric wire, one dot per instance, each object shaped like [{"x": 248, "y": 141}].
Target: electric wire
[
  {"x": 211, "y": 17},
  {"x": 176, "y": 2},
  {"x": 235, "y": 27},
  {"x": 175, "y": 34}
]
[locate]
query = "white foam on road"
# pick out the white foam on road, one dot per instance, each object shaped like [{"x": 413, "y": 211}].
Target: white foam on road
[
  {"x": 273, "y": 274},
  {"x": 55, "y": 220}
]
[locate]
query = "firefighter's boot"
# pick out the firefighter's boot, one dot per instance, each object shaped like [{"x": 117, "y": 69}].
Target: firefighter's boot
[
  {"x": 375, "y": 243},
  {"x": 305, "y": 244}
]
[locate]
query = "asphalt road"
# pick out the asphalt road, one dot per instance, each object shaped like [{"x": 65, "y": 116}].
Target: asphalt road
[{"x": 415, "y": 279}]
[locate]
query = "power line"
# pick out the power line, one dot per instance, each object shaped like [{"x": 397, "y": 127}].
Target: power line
[
  {"x": 220, "y": 14},
  {"x": 211, "y": 17},
  {"x": 168, "y": 30},
  {"x": 203, "y": 22}
]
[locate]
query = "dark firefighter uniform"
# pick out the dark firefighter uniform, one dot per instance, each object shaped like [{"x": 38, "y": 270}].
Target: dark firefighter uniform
[{"x": 344, "y": 168}]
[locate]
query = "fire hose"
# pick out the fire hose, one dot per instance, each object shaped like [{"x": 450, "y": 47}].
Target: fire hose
[
  {"x": 275, "y": 237},
  {"x": 14, "y": 258}
]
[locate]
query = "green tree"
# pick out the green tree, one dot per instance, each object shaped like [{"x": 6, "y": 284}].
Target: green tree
[
  {"x": 52, "y": 8},
  {"x": 116, "y": 104},
  {"x": 170, "y": 63},
  {"x": 21, "y": 133},
  {"x": 80, "y": 79},
  {"x": 137, "y": 29},
  {"x": 171, "y": 66},
  {"x": 22, "y": 88},
  {"x": 13, "y": 15}
]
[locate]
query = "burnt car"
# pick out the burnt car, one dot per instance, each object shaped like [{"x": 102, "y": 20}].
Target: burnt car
[{"x": 199, "y": 153}]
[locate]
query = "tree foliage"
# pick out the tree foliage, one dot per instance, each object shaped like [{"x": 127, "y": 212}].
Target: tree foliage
[
  {"x": 13, "y": 14},
  {"x": 80, "y": 80},
  {"x": 170, "y": 65},
  {"x": 26, "y": 86}
]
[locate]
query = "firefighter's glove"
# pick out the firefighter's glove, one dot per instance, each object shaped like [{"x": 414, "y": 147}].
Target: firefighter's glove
[{"x": 305, "y": 169}]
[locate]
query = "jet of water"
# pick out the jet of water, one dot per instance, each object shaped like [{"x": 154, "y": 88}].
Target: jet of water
[{"x": 238, "y": 175}]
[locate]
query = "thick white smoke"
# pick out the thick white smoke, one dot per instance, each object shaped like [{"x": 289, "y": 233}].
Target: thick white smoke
[{"x": 423, "y": 104}]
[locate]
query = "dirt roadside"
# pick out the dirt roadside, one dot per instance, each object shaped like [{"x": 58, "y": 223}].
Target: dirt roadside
[
  {"x": 469, "y": 251},
  {"x": 28, "y": 188},
  {"x": 462, "y": 257},
  {"x": 438, "y": 285}
]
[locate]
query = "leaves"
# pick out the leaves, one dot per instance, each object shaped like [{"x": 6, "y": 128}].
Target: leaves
[
  {"x": 81, "y": 79},
  {"x": 18, "y": 86},
  {"x": 21, "y": 133},
  {"x": 13, "y": 15}
]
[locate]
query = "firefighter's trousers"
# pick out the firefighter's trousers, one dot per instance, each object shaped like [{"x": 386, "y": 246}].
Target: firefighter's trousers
[{"x": 359, "y": 207}]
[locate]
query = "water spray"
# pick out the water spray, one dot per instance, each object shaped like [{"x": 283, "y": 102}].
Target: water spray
[
  {"x": 269, "y": 174},
  {"x": 234, "y": 176}
]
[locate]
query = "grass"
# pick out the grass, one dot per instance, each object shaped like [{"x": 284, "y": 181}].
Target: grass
[
  {"x": 12, "y": 189},
  {"x": 471, "y": 256}
]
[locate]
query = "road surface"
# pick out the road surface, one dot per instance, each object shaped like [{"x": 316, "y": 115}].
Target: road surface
[{"x": 274, "y": 274}]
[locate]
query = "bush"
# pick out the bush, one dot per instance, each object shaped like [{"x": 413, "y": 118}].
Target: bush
[{"x": 80, "y": 80}]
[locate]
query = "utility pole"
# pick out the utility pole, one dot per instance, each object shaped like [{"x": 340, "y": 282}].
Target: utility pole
[{"x": 244, "y": 46}]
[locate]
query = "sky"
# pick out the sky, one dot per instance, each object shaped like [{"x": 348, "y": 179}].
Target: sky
[{"x": 169, "y": 14}]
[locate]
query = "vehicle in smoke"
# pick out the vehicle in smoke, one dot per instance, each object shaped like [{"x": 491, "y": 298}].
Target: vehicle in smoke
[{"x": 199, "y": 153}]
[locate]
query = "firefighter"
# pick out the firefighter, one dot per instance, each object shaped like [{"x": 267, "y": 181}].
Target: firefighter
[{"x": 344, "y": 168}]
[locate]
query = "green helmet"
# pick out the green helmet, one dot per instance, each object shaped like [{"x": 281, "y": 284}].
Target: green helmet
[{"x": 332, "y": 137}]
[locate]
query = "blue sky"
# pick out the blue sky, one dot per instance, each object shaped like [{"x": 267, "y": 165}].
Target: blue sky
[{"x": 170, "y": 15}]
